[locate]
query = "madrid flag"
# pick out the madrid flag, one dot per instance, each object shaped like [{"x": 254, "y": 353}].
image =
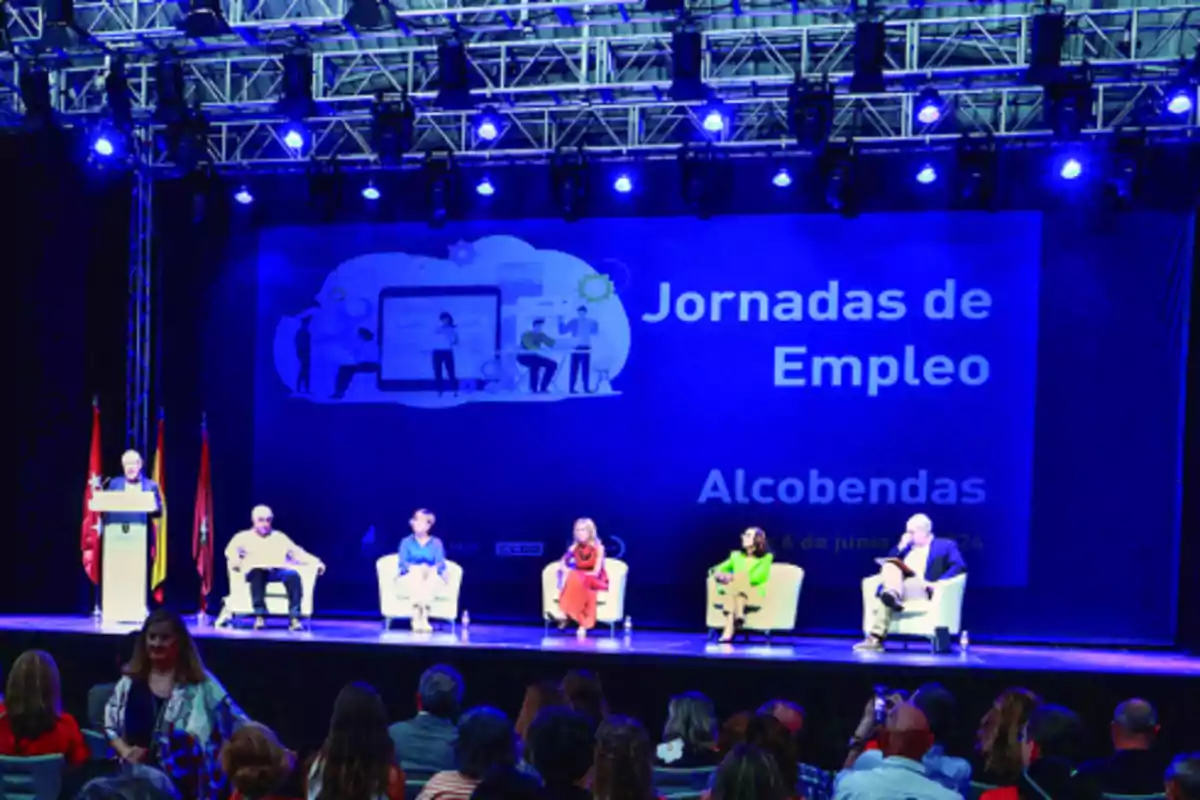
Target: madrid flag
[
  {"x": 89, "y": 532},
  {"x": 202, "y": 522}
]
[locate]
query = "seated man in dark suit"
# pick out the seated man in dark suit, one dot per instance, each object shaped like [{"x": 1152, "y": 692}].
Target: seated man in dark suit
[
  {"x": 1136, "y": 765},
  {"x": 928, "y": 558},
  {"x": 425, "y": 744}
]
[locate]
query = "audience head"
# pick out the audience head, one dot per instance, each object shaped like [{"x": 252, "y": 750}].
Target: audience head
[
  {"x": 790, "y": 714},
  {"x": 485, "y": 742},
  {"x": 938, "y": 706},
  {"x": 256, "y": 763},
  {"x": 440, "y": 692},
  {"x": 749, "y": 773},
  {"x": 561, "y": 746},
  {"x": 1134, "y": 725},
  {"x": 999, "y": 736},
  {"x": 624, "y": 761},
  {"x": 507, "y": 783},
  {"x": 767, "y": 733},
  {"x": 166, "y": 645},
  {"x": 906, "y": 732},
  {"x": 583, "y": 693},
  {"x": 692, "y": 719},
  {"x": 538, "y": 696},
  {"x": 33, "y": 695},
  {"x": 1183, "y": 778},
  {"x": 141, "y": 784},
  {"x": 357, "y": 755},
  {"x": 1052, "y": 732},
  {"x": 733, "y": 732}
]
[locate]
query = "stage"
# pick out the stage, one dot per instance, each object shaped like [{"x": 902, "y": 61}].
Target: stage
[{"x": 290, "y": 679}]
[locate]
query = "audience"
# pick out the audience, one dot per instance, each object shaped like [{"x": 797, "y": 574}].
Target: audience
[
  {"x": 905, "y": 740},
  {"x": 256, "y": 763},
  {"x": 624, "y": 761},
  {"x": 32, "y": 722},
  {"x": 998, "y": 739},
  {"x": 538, "y": 696},
  {"x": 689, "y": 737},
  {"x": 135, "y": 784},
  {"x": 486, "y": 742},
  {"x": 749, "y": 773},
  {"x": 812, "y": 783},
  {"x": 1049, "y": 747},
  {"x": 1183, "y": 778},
  {"x": 582, "y": 691},
  {"x": 167, "y": 711},
  {"x": 733, "y": 732},
  {"x": 357, "y": 760},
  {"x": 768, "y": 734},
  {"x": 508, "y": 783},
  {"x": 1136, "y": 766},
  {"x": 561, "y": 746},
  {"x": 425, "y": 743}
]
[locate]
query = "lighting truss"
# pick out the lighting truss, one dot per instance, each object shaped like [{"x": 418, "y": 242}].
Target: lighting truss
[{"x": 596, "y": 74}]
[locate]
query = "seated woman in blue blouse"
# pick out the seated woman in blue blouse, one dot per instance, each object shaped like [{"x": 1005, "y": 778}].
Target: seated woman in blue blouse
[{"x": 422, "y": 568}]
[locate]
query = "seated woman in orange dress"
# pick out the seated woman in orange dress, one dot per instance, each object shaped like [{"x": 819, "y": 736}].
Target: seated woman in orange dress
[{"x": 582, "y": 577}]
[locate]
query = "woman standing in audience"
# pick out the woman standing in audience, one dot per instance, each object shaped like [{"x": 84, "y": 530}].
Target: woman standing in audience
[
  {"x": 624, "y": 761},
  {"x": 485, "y": 743},
  {"x": 32, "y": 722},
  {"x": 741, "y": 578},
  {"x": 168, "y": 711},
  {"x": 690, "y": 735},
  {"x": 582, "y": 577},
  {"x": 357, "y": 760},
  {"x": 256, "y": 763},
  {"x": 422, "y": 565},
  {"x": 999, "y": 737}
]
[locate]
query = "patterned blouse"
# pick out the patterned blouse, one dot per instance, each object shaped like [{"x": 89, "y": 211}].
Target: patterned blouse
[{"x": 188, "y": 730}]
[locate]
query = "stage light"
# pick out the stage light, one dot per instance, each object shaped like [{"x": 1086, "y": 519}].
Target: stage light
[
  {"x": 929, "y": 106},
  {"x": 487, "y": 125},
  {"x": 927, "y": 175},
  {"x": 870, "y": 57},
  {"x": 623, "y": 184},
  {"x": 204, "y": 19},
  {"x": 392, "y": 124},
  {"x": 243, "y": 196},
  {"x": 810, "y": 113},
  {"x": 1071, "y": 169},
  {"x": 485, "y": 188},
  {"x": 293, "y": 137},
  {"x": 454, "y": 75},
  {"x": 687, "y": 63},
  {"x": 370, "y": 191},
  {"x": 35, "y": 96},
  {"x": 714, "y": 121},
  {"x": 102, "y": 145},
  {"x": 1179, "y": 102},
  {"x": 783, "y": 178}
]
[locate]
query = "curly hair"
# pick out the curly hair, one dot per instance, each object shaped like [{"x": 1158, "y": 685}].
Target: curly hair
[
  {"x": 357, "y": 755},
  {"x": 624, "y": 761},
  {"x": 256, "y": 763}
]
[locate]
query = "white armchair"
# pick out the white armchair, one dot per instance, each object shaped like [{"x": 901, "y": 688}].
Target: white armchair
[
  {"x": 775, "y": 613},
  {"x": 237, "y": 602},
  {"x": 610, "y": 604},
  {"x": 940, "y": 615},
  {"x": 393, "y": 606}
]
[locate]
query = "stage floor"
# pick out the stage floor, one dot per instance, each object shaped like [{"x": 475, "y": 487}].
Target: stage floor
[{"x": 659, "y": 645}]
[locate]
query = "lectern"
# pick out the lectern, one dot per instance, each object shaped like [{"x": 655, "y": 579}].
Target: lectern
[{"x": 123, "y": 573}]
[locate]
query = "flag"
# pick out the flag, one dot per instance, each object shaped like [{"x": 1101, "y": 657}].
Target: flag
[
  {"x": 158, "y": 546},
  {"x": 202, "y": 521},
  {"x": 89, "y": 532}
]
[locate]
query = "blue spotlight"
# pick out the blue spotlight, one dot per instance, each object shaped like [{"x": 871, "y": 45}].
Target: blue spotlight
[
  {"x": 243, "y": 196},
  {"x": 103, "y": 146},
  {"x": 929, "y": 106},
  {"x": 783, "y": 178},
  {"x": 927, "y": 175},
  {"x": 485, "y": 188},
  {"x": 714, "y": 121},
  {"x": 622, "y": 184},
  {"x": 370, "y": 192},
  {"x": 293, "y": 137},
  {"x": 1071, "y": 169},
  {"x": 487, "y": 130},
  {"x": 1180, "y": 102}
]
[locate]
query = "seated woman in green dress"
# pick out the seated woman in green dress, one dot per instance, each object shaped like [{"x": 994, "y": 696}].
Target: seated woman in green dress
[{"x": 742, "y": 575}]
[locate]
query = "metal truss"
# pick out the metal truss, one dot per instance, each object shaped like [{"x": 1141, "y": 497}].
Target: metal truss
[
  {"x": 566, "y": 74},
  {"x": 139, "y": 335}
]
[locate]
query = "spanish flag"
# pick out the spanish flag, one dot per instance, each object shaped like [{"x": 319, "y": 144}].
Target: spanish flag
[{"x": 158, "y": 547}]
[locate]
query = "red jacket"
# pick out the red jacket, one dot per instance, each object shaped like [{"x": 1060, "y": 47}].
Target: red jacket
[{"x": 64, "y": 738}]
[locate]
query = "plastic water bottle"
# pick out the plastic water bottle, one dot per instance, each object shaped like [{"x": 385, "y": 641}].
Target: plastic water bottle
[
  {"x": 964, "y": 641},
  {"x": 466, "y": 621},
  {"x": 628, "y": 627}
]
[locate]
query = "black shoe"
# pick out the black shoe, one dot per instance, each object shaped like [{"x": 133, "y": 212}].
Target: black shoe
[{"x": 891, "y": 601}]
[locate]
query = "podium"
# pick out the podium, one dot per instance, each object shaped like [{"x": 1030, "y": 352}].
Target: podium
[{"x": 123, "y": 563}]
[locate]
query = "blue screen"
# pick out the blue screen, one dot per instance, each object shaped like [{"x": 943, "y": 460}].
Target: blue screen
[{"x": 677, "y": 380}]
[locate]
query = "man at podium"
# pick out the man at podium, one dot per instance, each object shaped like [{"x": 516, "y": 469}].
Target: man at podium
[
  {"x": 132, "y": 480},
  {"x": 264, "y": 554}
]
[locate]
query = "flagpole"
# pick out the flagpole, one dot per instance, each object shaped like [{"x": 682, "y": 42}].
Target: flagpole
[
  {"x": 202, "y": 618},
  {"x": 97, "y": 612}
]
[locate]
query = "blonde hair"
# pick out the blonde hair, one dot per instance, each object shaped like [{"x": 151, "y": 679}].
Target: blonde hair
[{"x": 590, "y": 525}]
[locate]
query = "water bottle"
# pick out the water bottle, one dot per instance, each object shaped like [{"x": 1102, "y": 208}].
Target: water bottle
[
  {"x": 466, "y": 621},
  {"x": 964, "y": 641},
  {"x": 628, "y": 627}
]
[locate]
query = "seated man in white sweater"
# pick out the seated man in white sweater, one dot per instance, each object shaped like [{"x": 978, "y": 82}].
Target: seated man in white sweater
[{"x": 264, "y": 554}]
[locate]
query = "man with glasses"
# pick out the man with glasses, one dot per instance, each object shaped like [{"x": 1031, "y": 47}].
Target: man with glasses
[{"x": 264, "y": 554}]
